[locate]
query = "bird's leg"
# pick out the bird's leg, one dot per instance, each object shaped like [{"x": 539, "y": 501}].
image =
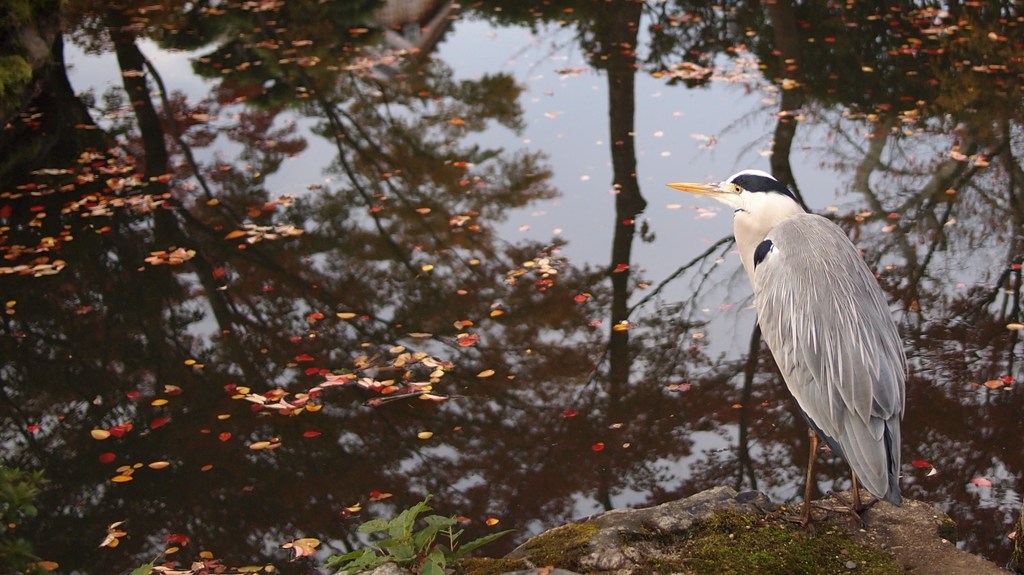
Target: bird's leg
[
  {"x": 805, "y": 516},
  {"x": 805, "y": 513},
  {"x": 857, "y": 506}
]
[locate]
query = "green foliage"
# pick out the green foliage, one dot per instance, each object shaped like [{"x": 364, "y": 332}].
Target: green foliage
[
  {"x": 405, "y": 545},
  {"x": 14, "y": 73},
  {"x": 18, "y": 491}
]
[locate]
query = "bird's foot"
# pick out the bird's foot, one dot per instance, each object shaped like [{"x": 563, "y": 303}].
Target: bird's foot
[
  {"x": 855, "y": 508},
  {"x": 804, "y": 518}
]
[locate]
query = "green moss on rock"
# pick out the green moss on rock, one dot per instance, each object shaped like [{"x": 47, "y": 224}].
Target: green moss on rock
[
  {"x": 731, "y": 543},
  {"x": 562, "y": 546}
]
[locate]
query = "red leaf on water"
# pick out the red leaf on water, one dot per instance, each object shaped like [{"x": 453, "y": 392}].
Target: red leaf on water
[
  {"x": 120, "y": 429},
  {"x": 304, "y": 357},
  {"x": 569, "y": 413},
  {"x": 597, "y": 446},
  {"x": 133, "y": 394},
  {"x": 107, "y": 457},
  {"x": 981, "y": 482},
  {"x": 159, "y": 422},
  {"x": 466, "y": 339},
  {"x": 310, "y": 433},
  {"x": 33, "y": 428},
  {"x": 177, "y": 538},
  {"x": 920, "y": 463},
  {"x": 312, "y": 370},
  {"x": 224, "y": 435}
]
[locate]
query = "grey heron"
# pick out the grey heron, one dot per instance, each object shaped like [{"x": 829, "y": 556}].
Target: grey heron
[{"x": 827, "y": 323}]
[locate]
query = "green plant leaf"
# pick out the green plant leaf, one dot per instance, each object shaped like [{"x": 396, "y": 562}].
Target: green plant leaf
[
  {"x": 401, "y": 552},
  {"x": 463, "y": 550},
  {"x": 374, "y": 526},
  {"x": 144, "y": 569},
  {"x": 439, "y": 520},
  {"x": 433, "y": 564},
  {"x": 356, "y": 561},
  {"x": 424, "y": 538},
  {"x": 401, "y": 526}
]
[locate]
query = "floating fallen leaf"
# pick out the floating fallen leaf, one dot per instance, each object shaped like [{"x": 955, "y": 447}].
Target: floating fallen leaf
[
  {"x": 121, "y": 478},
  {"x": 99, "y": 434},
  {"x": 425, "y": 434},
  {"x": 310, "y": 433},
  {"x": 994, "y": 384},
  {"x": 158, "y": 402},
  {"x": 597, "y": 446},
  {"x": 1015, "y": 326},
  {"x": 981, "y": 482},
  {"x": 258, "y": 445},
  {"x": 492, "y": 521},
  {"x": 303, "y": 547},
  {"x": 346, "y": 315},
  {"x": 486, "y": 373},
  {"x": 113, "y": 533},
  {"x": 920, "y": 463},
  {"x": 159, "y": 464}
]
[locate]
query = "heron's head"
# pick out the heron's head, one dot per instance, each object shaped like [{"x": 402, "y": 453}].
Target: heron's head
[
  {"x": 748, "y": 191},
  {"x": 759, "y": 202}
]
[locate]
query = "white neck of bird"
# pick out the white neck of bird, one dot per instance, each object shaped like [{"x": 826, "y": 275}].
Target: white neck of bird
[{"x": 756, "y": 215}]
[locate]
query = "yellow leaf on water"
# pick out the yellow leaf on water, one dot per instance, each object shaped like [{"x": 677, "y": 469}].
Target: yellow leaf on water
[
  {"x": 159, "y": 464},
  {"x": 303, "y": 547},
  {"x": 425, "y": 434},
  {"x": 158, "y": 402},
  {"x": 346, "y": 315},
  {"x": 1015, "y": 326},
  {"x": 99, "y": 434},
  {"x": 121, "y": 478},
  {"x": 235, "y": 234},
  {"x": 486, "y": 373}
]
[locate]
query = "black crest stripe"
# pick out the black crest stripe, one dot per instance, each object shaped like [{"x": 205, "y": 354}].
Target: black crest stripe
[
  {"x": 759, "y": 183},
  {"x": 762, "y": 251}
]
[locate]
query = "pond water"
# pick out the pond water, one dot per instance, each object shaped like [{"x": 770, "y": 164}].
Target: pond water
[{"x": 274, "y": 269}]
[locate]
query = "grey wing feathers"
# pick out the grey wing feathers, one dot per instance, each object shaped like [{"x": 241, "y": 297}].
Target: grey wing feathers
[{"x": 826, "y": 322}]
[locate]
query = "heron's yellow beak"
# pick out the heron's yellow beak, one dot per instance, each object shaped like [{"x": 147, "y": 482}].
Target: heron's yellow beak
[
  {"x": 698, "y": 188},
  {"x": 726, "y": 193}
]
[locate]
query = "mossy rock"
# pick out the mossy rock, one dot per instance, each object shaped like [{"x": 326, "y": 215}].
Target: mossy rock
[{"x": 732, "y": 543}]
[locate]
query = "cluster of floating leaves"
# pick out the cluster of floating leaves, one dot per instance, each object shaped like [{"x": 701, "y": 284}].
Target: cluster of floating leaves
[
  {"x": 403, "y": 375},
  {"x": 254, "y": 233},
  {"x": 544, "y": 267},
  {"x": 206, "y": 565}
]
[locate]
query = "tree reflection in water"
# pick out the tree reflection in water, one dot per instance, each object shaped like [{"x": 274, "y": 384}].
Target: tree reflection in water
[{"x": 570, "y": 389}]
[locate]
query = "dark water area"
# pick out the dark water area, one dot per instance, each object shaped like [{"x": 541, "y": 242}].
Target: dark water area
[{"x": 273, "y": 269}]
